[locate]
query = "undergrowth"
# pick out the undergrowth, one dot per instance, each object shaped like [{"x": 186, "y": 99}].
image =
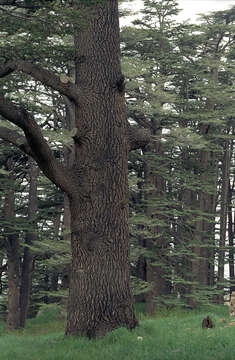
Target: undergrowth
[{"x": 174, "y": 334}]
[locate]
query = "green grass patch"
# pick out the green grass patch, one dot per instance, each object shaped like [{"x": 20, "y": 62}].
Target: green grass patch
[{"x": 174, "y": 334}]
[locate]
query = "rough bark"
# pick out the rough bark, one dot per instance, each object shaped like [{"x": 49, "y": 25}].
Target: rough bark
[{"x": 99, "y": 211}]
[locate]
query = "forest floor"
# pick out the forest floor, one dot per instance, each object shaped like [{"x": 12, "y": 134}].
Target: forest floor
[{"x": 169, "y": 335}]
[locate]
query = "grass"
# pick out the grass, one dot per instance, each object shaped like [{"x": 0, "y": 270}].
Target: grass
[{"x": 169, "y": 335}]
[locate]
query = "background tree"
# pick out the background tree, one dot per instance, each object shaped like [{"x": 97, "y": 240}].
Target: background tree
[{"x": 191, "y": 102}]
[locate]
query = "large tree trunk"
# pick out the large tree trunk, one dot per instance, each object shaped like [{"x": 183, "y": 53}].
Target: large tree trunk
[{"x": 100, "y": 299}]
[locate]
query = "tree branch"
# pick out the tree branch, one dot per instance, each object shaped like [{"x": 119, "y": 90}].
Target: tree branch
[
  {"x": 18, "y": 4},
  {"x": 138, "y": 138},
  {"x": 36, "y": 143},
  {"x": 13, "y": 137},
  {"x": 140, "y": 119},
  {"x": 47, "y": 77}
]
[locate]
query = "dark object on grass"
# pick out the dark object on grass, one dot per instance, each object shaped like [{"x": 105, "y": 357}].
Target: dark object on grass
[{"x": 207, "y": 323}]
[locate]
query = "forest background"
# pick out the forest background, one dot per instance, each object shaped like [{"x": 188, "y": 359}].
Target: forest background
[
  {"x": 179, "y": 80},
  {"x": 189, "y": 9}
]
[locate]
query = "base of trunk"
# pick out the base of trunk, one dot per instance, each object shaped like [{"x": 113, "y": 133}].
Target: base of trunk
[
  {"x": 98, "y": 325},
  {"x": 99, "y": 331}
]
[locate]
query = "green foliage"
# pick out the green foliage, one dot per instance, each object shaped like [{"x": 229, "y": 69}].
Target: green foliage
[
  {"x": 171, "y": 335},
  {"x": 185, "y": 137},
  {"x": 180, "y": 81},
  {"x": 139, "y": 286}
]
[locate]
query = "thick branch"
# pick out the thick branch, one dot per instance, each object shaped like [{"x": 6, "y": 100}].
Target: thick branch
[
  {"x": 13, "y": 137},
  {"x": 138, "y": 138},
  {"x": 34, "y": 5},
  {"x": 41, "y": 152},
  {"x": 18, "y": 4},
  {"x": 14, "y": 3},
  {"x": 47, "y": 77},
  {"x": 140, "y": 119}
]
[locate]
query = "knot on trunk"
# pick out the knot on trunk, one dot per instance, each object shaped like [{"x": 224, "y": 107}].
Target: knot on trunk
[{"x": 138, "y": 138}]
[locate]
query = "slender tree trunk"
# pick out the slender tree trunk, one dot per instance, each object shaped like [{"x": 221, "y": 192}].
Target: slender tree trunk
[
  {"x": 201, "y": 267},
  {"x": 185, "y": 233},
  {"x": 54, "y": 276},
  {"x": 231, "y": 224},
  {"x": 67, "y": 236},
  {"x": 13, "y": 303},
  {"x": 156, "y": 265},
  {"x": 28, "y": 259},
  {"x": 69, "y": 158},
  {"x": 46, "y": 288},
  {"x": 223, "y": 219},
  {"x": 100, "y": 299},
  {"x": 231, "y": 238},
  {"x": 54, "y": 283},
  {"x": 203, "y": 263},
  {"x": 212, "y": 231},
  {"x": 3, "y": 269},
  {"x": 13, "y": 259},
  {"x": 204, "y": 231},
  {"x": 26, "y": 282}
]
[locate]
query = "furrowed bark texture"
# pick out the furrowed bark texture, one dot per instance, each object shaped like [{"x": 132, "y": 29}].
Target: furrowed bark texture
[{"x": 100, "y": 299}]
